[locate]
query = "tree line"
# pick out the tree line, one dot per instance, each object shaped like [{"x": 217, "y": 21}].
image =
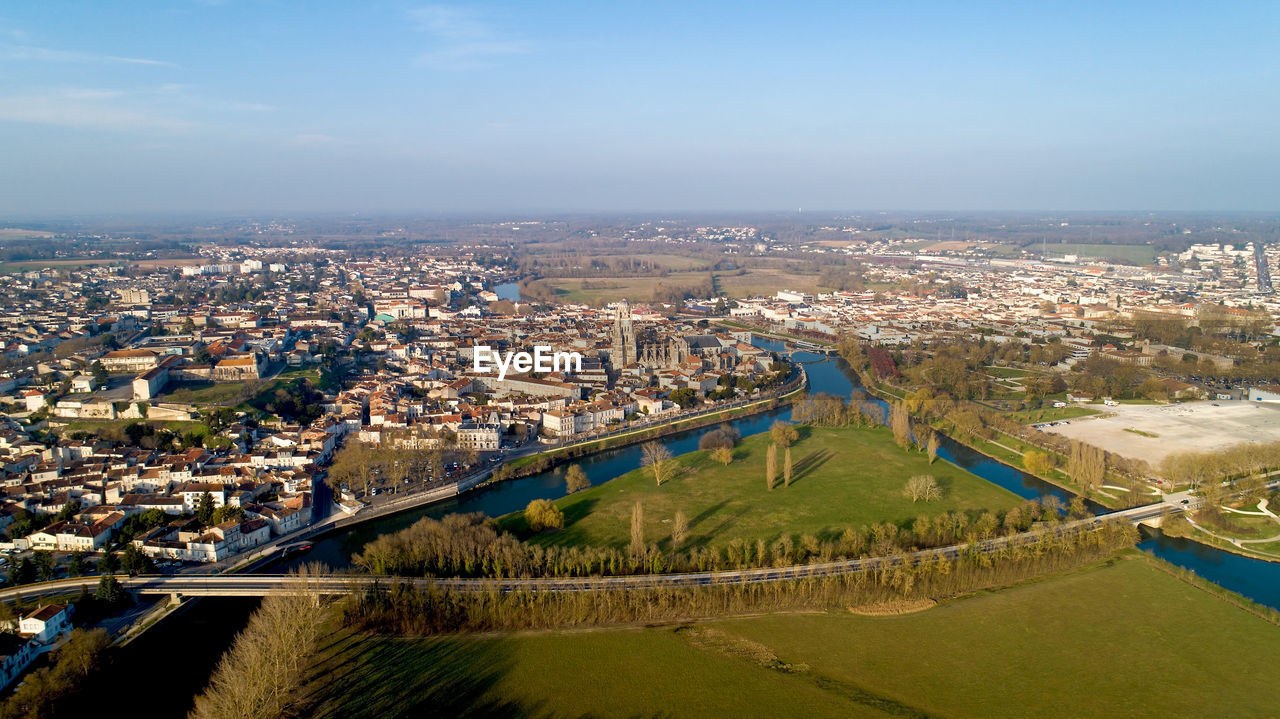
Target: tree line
[
  {"x": 470, "y": 545},
  {"x": 405, "y": 609}
]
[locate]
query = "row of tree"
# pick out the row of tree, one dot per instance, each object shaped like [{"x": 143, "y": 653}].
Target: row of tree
[
  {"x": 405, "y": 609},
  {"x": 470, "y": 545},
  {"x": 255, "y": 677}
]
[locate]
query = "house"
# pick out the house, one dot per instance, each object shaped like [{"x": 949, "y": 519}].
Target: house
[
  {"x": 46, "y": 623},
  {"x": 16, "y": 653}
]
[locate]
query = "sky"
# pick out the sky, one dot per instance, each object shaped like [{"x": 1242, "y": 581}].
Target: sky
[{"x": 235, "y": 106}]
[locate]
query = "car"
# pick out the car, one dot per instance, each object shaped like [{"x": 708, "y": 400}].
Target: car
[{"x": 1185, "y": 501}]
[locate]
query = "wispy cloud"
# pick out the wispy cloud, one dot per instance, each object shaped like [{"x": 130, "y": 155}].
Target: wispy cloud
[
  {"x": 166, "y": 107},
  {"x": 44, "y": 54},
  {"x": 87, "y": 108},
  {"x": 462, "y": 38}
]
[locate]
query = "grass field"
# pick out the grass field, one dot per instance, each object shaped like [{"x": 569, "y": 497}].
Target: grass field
[
  {"x": 204, "y": 393},
  {"x": 229, "y": 394},
  {"x": 1135, "y": 254},
  {"x": 757, "y": 281},
  {"x": 843, "y": 478},
  {"x": 1118, "y": 639},
  {"x": 1051, "y": 414}
]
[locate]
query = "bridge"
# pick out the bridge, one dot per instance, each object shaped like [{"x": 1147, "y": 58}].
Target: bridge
[{"x": 259, "y": 585}]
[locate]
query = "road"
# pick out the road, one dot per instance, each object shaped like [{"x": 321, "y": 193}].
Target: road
[{"x": 256, "y": 585}]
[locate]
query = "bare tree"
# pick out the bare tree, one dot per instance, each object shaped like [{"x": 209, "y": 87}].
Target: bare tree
[
  {"x": 575, "y": 480},
  {"x": 657, "y": 458},
  {"x": 679, "y": 530},
  {"x": 254, "y": 678},
  {"x": 783, "y": 433},
  {"x": 900, "y": 423},
  {"x": 771, "y": 466},
  {"x": 922, "y": 487},
  {"x": 637, "y": 531}
]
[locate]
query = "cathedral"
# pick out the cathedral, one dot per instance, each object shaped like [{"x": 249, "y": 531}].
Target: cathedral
[
  {"x": 625, "y": 349},
  {"x": 622, "y": 345}
]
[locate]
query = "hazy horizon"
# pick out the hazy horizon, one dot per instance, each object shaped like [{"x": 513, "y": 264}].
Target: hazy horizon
[{"x": 221, "y": 108}]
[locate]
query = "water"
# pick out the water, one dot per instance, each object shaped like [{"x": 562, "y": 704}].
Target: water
[
  {"x": 828, "y": 375},
  {"x": 1253, "y": 578},
  {"x": 1258, "y": 580},
  {"x": 508, "y": 291}
]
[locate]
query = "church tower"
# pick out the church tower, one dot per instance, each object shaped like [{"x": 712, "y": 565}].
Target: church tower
[{"x": 622, "y": 345}]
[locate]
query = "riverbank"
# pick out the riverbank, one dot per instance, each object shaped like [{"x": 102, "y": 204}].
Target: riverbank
[
  {"x": 991, "y": 449},
  {"x": 550, "y": 459}
]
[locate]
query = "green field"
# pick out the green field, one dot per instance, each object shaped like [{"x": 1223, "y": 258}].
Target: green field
[
  {"x": 204, "y": 393},
  {"x": 843, "y": 478},
  {"x": 1134, "y": 254},
  {"x": 230, "y": 394},
  {"x": 758, "y": 281},
  {"x": 1051, "y": 414},
  {"x": 1122, "y": 638}
]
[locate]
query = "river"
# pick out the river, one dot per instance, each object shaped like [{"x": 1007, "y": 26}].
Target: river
[
  {"x": 508, "y": 291},
  {"x": 212, "y": 628}
]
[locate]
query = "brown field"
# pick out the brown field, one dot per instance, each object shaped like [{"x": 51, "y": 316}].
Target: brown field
[
  {"x": 950, "y": 245},
  {"x": 19, "y": 232}
]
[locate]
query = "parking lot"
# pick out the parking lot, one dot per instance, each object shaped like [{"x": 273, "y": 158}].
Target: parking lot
[{"x": 1197, "y": 426}]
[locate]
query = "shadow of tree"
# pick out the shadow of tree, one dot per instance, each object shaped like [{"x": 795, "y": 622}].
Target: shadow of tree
[{"x": 810, "y": 463}]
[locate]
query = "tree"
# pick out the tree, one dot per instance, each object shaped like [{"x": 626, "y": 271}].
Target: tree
[
  {"x": 23, "y": 572},
  {"x": 76, "y": 565},
  {"x": 723, "y": 455},
  {"x": 109, "y": 563},
  {"x": 227, "y": 512},
  {"x": 205, "y": 508},
  {"x": 1039, "y": 463},
  {"x": 99, "y": 372},
  {"x": 900, "y": 423},
  {"x": 1087, "y": 465},
  {"x": 44, "y": 564},
  {"x": 134, "y": 562},
  {"x": 684, "y": 397},
  {"x": 256, "y": 677},
  {"x": 771, "y": 466},
  {"x": 783, "y": 433},
  {"x": 541, "y": 515},
  {"x": 679, "y": 530},
  {"x": 575, "y": 480},
  {"x": 922, "y": 487},
  {"x": 109, "y": 591},
  {"x": 657, "y": 458},
  {"x": 786, "y": 468},
  {"x": 932, "y": 446},
  {"x": 637, "y": 546}
]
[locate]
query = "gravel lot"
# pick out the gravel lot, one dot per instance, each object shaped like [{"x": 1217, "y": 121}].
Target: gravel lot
[{"x": 1188, "y": 426}]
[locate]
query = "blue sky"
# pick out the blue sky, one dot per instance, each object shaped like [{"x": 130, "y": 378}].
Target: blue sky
[{"x": 528, "y": 106}]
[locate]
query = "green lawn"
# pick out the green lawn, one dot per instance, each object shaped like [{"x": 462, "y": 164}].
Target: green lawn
[
  {"x": 1005, "y": 372},
  {"x": 1051, "y": 414},
  {"x": 843, "y": 478},
  {"x": 204, "y": 393},
  {"x": 1135, "y": 254},
  {"x": 755, "y": 281},
  {"x": 1117, "y": 639}
]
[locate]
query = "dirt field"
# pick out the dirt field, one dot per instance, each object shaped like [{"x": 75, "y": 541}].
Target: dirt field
[{"x": 1196, "y": 426}]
